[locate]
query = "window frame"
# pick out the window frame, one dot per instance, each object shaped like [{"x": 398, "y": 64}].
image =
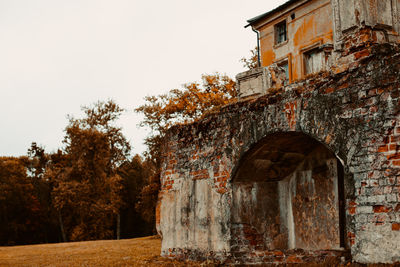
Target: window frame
[
  {"x": 306, "y": 51},
  {"x": 277, "y": 33},
  {"x": 285, "y": 61},
  {"x": 310, "y": 55}
]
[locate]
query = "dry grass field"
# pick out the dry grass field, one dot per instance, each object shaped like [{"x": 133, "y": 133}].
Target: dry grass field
[{"x": 129, "y": 252}]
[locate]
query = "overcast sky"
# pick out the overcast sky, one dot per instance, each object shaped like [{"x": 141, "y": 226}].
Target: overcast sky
[{"x": 57, "y": 55}]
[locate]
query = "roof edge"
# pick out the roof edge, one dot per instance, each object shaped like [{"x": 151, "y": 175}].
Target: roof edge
[{"x": 269, "y": 13}]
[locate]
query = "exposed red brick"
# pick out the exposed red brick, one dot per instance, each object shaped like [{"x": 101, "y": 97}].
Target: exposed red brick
[
  {"x": 396, "y": 162},
  {"x": 352, "y": 210},
  {"x": 169, "y": 187},
  {"x": 393, "y": 156},
  {"x": 384, "y": 148},
  {"x": 294, "y": 259},
  {"x": 397, "y": 208},
  {"x": 329, "y": 90},
  {"x": 352, "y": 203},
  {"x": 396, "y": 226},
  {"x": 394, "y": 147},
  {"x": 278, "y": 253},
  {"x": 343, "y": 85},
  {"x": 394, "y": 139},
  {"x": 222, "y": 190},
  {"x": 381, "y": 209},
  {"x": 200, "y": 174}
]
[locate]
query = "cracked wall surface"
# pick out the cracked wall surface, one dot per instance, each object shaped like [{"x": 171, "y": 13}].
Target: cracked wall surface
[
  {"x": 354, "y": 113},
  {"x": 243, "y": 184}
]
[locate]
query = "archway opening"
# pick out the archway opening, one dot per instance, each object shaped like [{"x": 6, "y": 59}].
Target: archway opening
[{"x": 288, "y": 194}]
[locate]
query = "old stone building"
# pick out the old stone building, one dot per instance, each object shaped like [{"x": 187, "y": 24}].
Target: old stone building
[{"x": 305, "y": 166}]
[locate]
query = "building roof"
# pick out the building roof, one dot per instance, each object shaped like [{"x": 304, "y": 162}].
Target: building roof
[{"x": 269, "y": 13}]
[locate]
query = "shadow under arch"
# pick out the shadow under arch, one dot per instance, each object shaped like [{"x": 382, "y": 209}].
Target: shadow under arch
[{"x": 288, "y": 193}]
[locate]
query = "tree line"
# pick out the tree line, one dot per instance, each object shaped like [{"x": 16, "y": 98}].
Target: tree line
[{"x": 92, "y": 188}]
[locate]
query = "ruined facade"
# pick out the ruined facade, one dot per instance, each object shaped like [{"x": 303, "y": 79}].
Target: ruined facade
[
  {"x": 301, "y": 38},
  {"x": 305, "y": 167}
]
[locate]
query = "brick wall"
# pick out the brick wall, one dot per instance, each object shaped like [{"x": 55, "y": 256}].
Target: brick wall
[{"x": 353, "y": 110}]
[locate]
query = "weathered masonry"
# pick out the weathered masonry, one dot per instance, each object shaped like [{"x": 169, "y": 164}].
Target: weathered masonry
[
  {"x": 301, "y": 38},
  {"x": 305, "y": 167}
]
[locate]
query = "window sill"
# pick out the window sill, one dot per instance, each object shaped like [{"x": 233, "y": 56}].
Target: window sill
[{"x": 281, "y": 44}]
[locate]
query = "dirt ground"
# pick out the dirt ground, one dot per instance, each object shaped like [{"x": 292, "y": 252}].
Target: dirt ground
[{"x": 128, "y": 252}]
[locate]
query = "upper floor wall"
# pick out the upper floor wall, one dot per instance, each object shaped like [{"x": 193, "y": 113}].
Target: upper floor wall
[
  {"x": 305, "y": 37},
  {"x": 287, "y": 36}
]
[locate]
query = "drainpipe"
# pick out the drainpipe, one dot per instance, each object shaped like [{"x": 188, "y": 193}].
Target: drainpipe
[{"x": 258, "y": 45}]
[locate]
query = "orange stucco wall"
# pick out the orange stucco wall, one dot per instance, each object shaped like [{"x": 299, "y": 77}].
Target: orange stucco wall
[{"x": 312, "y": 25}]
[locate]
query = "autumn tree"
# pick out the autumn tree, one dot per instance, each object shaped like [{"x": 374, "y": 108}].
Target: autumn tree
[
  {"x": 135, "y": 174},
  {"x": 87, "y": 190},
  {"x": 147, "y": 201},
  {"x": 20, "y": 211},
  {"x": 37, "y": 162},
  {"x": 252, "y": 61},
  {"x": 187, "y": 105}
]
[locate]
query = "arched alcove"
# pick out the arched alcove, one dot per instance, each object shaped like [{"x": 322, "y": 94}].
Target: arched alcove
[{"x": 286, "y": 194}]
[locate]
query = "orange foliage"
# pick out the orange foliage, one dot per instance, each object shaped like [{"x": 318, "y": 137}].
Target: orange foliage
[
  {"x": 252, "y": 62},
  {"x": 20, "y": 210},
  {"x": 189, "y": 104},
  {"x": 185, "y": 106},
  {"x": 87, "y": 188}
]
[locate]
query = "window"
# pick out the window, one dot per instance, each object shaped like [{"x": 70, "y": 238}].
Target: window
[
  {"x": 285, "y": 66},
  {"x": 313, "y": 61},
  {"x": 281, "y": 32}
]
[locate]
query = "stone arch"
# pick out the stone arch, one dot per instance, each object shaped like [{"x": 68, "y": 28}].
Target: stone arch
[{"x": 288, "y": 192}]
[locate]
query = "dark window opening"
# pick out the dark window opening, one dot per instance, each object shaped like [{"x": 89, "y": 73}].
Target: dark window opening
[{"x": 281, "y": 32}]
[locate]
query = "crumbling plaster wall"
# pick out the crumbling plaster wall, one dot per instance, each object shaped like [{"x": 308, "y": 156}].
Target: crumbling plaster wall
[
  {"x": 311, "y": 26},
  {"x": 281, "y": 208},
  {"x": 353, "y": 110},
  {"x": 316, "y": 24}
]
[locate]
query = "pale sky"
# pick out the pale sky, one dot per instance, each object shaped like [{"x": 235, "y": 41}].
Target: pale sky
[{"x": 57, "y": 55}]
